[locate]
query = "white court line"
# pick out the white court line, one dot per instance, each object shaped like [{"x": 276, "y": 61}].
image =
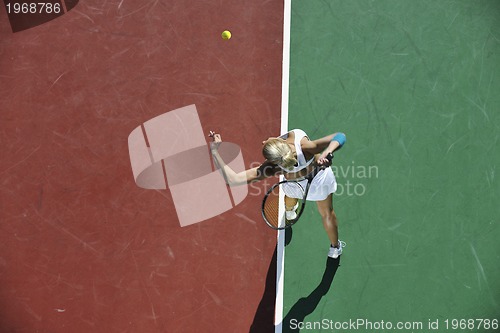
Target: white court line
[{"x": 280, "y": 258}]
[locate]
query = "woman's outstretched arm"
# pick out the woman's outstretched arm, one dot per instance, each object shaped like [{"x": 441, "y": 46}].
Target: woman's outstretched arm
[{"x": 233, "y": 178}]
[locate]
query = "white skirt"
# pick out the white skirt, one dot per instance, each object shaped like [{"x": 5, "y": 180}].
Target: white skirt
[{"x": 322, "y": 185}]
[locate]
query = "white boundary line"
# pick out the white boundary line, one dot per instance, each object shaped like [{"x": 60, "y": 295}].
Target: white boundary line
[{"x": 280, "y": 258}]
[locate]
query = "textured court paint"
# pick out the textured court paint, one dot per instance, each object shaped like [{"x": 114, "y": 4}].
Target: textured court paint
[
  {"x": 82, "y": 248},
  {"x": 414, "y": 85}
]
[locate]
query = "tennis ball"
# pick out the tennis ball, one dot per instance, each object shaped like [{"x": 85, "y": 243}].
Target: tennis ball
[{"x": 226, "y": 34}]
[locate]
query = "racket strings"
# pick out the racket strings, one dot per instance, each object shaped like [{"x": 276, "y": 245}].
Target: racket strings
[
  {"x": 271, "y": 208},
  {"x": 277, "y": 199}
]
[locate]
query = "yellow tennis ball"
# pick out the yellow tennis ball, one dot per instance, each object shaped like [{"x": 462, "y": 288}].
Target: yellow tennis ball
[{"x": 226, "y": 34}]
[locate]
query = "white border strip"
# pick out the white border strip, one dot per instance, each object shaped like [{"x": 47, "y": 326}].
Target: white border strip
[{"x": 280, "y": 258}]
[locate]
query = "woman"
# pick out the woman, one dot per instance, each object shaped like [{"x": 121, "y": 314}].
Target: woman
[{"x": 293, "y": 155}]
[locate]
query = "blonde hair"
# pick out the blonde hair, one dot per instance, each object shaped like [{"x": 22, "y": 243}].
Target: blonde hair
[{"x": 277, "y": 151}]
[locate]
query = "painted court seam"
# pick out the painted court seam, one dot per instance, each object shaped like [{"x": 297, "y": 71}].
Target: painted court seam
[{"x": 280, "y": 258}]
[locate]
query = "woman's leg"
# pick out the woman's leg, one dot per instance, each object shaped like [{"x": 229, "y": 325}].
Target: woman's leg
[
  {"x": 290, "y": 208},
  {"x": 325, "y": 208},
  {"x": 290, "y": 203}
]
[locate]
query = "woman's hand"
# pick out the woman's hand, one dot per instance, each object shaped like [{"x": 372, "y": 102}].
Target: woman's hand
[
  {"x": 216, "y": 139},
  {"x": 324, "y": 159}
]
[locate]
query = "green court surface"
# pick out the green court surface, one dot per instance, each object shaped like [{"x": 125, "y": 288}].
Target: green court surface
[{"x": 415, "y": 85}]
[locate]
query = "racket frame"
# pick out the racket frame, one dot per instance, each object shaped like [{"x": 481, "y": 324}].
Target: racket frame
[
  {"x": 309, "y": 178},
  {"x": 288, "y": 223}
]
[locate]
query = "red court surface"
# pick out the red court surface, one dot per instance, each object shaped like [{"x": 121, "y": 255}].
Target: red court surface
[{"x": 82, "y": 248}]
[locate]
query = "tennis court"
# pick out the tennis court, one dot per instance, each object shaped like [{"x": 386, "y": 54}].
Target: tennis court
[
  {"x": 413, "y": 84},
  {"x": 82, "y": 247}
]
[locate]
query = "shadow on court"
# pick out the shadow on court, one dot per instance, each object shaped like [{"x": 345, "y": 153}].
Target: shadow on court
[
  {"x": 307, "y": 305},
  {"x": 263, "y": 320},
  {"x": 264, "y": 316}
]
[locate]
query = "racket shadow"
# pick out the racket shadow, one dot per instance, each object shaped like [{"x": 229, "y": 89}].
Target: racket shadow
[{"x": 307, "y": 305}]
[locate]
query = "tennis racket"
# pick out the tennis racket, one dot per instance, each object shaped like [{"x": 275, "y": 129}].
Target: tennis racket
[{"x": 285, "y": 201}]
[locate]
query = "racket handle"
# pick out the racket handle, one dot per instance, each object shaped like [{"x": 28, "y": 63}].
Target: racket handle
[{"x": 329, "y": 157}]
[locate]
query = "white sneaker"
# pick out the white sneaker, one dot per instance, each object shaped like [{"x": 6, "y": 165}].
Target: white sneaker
[
  {"x": 292, "y": 214},
  {"x": 335, "y": 252}
]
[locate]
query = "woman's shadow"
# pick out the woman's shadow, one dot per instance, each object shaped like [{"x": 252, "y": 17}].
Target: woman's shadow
[{"x": 304, "y": 306}]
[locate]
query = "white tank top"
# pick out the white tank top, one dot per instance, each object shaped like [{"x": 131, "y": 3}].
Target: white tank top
[{"x": 301, "y": 160}]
